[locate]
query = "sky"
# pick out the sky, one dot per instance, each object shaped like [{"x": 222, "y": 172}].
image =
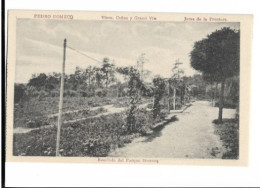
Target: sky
[{"x": 40, "y": 44}]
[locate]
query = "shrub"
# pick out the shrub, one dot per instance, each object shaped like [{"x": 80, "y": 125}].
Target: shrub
[
  {"x": 37, "y": 122},
  {"x": 228, "y": 103},
  {"x": 54, "y": 93},
  {"x": 101, "y": 92},
  {"x": 42, "y": 94}
]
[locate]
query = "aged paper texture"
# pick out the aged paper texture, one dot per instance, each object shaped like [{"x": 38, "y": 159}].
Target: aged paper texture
[{"x": 128, "y": 88}]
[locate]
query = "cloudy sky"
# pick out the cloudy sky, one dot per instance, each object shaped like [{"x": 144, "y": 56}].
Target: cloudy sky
[{"x": 40, "y": 44}]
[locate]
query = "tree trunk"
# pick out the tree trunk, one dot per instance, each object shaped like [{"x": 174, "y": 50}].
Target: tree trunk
[
  {"x": 89, "y": 82},
  {"x": 106, "y": 79},
  {"x": 221, "y": 101},
  {"x": 174, "y": 98},
  {"x": 212, "y": 94},
  {"x": 181, "y": 92},
  {"x": 169, "y": 102},
  {"x": 215, "y": 93}
]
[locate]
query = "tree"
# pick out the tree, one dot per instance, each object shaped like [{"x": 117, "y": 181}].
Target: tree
[
  {"x": 38, "y": 81},
  {"x": 52, "y": 81},
  {"x": 159, "y": 90},
  {"x": 19, "y": 92},
  {"x": 97, "y": 77},
  {"x": 89, "y": 76},
  {"x": 134, "y": 84},
  {"x": 123, "y": 71},
  {"x": 218, "y": 56},
  {"x": 108, "y": 70}
]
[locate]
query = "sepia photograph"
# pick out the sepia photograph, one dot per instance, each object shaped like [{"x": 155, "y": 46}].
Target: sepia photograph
[{"x": 129, "y": 89}]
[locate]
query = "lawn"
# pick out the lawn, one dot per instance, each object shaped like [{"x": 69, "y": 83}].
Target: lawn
[{"x": 228, "y": 131}]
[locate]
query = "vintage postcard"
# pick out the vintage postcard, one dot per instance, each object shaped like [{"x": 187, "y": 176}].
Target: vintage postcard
[{"x": 128, "y": 88}]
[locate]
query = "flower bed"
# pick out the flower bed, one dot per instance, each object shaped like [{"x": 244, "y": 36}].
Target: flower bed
[{"x": 90, "y": 137}]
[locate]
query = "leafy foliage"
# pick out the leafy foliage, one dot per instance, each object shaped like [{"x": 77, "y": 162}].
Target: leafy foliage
[
  {"x": 134, "y": 85},
  {"x": 19, "y": 92},
  {"x": 218, "y": 58},
  {"x": 90, "y": 137},
  {"x": 218, "y": 54},
  {"x": 159, "y": 89}
]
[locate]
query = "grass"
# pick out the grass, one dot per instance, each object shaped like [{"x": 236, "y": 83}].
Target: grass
[{"x": 228, "y": 131}]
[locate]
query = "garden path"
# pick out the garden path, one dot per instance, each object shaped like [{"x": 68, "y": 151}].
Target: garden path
[{"x": 191, "y": 136}]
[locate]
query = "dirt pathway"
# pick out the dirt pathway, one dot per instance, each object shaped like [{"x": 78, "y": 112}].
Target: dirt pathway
[{"x": 192, "y": 136}]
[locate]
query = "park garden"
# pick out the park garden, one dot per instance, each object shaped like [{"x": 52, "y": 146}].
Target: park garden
[{"x": 107, "y": 106}]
